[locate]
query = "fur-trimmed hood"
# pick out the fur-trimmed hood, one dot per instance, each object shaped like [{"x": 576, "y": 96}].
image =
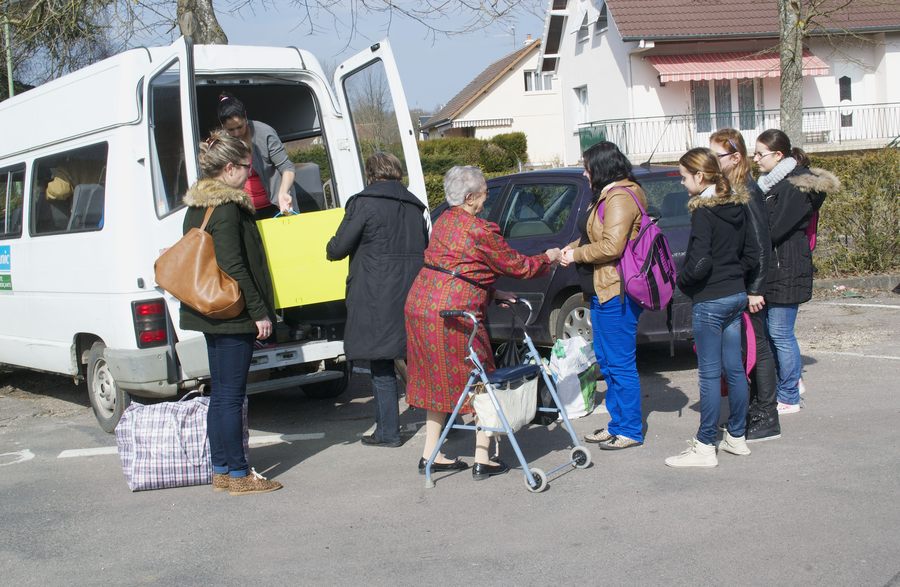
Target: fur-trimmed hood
[
  {"x": 213, "y": 192},
  {"x": 817, "y": 180},
  {"x": 739, "y": 197}
]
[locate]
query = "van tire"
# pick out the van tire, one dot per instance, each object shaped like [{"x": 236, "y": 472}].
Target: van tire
[
  {"x": 108, "y": 400},
  {"x": 332, "y": 388},
  {"x": 573, "y": 317}
]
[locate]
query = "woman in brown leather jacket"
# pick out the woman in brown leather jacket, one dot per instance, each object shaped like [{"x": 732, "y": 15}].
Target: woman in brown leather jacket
[{"x": 610, "y": 221}]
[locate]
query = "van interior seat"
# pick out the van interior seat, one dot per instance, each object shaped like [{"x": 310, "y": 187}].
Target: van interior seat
[
  {"x": 87, "y": 206},
  {"x": 308, "y": 187}
]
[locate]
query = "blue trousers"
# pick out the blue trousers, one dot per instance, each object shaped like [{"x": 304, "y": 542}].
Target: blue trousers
[
  {"x": 387, "y": 412},
  {"x": 229, "y": 362},
  {"x": 717, "y": 333},
  {"x": 614, "y": 325},
  {"x": 781, "y": 321}
]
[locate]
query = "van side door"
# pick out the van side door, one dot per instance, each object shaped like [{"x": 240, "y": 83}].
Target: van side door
[{"x": 370, "y": 93}]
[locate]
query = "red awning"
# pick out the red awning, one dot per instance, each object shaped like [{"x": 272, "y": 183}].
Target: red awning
[{"x": 735, "y": 65}]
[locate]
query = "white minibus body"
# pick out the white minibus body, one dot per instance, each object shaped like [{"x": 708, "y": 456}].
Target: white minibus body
[{"x": 93, "y": 166}]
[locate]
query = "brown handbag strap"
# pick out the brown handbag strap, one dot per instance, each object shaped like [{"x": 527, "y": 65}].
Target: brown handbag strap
[{"x": 209, "y": 212}]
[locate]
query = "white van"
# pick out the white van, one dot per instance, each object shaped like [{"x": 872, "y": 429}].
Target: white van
[{"x": 92, "y": 170}]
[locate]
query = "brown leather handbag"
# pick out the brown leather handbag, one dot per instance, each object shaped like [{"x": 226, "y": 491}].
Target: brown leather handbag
[{"x": 189, "y": 271}]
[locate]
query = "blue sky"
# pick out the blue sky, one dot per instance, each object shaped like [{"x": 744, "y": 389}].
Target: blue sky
[{"x": 433, "y": 68}]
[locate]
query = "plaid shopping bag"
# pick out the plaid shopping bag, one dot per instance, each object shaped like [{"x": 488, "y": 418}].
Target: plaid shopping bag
[{"x": 165, "y": 444}]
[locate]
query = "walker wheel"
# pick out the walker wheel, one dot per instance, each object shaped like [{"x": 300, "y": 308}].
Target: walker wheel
[
  {"x": 540, "y": 481},
  {"x": 581, "y": 457}
]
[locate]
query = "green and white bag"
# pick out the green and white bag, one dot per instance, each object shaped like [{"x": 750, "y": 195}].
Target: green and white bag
[{"x": 573, "y": 360}]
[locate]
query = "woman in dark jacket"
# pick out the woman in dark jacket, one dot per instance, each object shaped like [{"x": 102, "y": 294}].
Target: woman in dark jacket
[
  {"x": 385, "y": 234},
  {"x": 793, "y": 193},
  {"x": 762, "y": 416},
  {"x": 717, "y": 256},
  {"x": 225, "y": 163}
]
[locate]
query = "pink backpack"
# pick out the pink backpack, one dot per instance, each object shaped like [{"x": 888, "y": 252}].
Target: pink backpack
[{"x": 646, "y": 267}]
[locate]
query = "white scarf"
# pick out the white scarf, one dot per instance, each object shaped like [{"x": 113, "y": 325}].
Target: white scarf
[
  {"x": 768, "y": 180},
  {"x": 709, "y": 192}
]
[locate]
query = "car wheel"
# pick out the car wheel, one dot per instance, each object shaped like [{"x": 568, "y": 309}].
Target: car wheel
[
  {"x": 573, "y": 318},
  {"x": 108, "y": 400}
]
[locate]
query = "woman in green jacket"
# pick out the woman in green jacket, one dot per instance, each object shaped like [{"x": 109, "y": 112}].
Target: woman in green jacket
[{"x": 225, "y": 163}]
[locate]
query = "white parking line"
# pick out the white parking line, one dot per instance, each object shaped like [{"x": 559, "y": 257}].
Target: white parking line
[
  {"x": 254, "y": 441},
  {"x": 20, "y": 456},
  {"x": 849, "y": 354},
  {"x": 857, "y": 305}
]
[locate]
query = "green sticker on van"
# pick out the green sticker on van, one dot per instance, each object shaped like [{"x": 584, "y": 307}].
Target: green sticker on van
[{"x": 5, "y": 282}]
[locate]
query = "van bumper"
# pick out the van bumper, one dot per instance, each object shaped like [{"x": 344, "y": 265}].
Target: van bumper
[{"x": 143, "y": 372}]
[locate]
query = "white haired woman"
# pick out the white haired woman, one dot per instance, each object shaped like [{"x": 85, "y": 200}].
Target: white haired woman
[{"x": 462, "y": 261}]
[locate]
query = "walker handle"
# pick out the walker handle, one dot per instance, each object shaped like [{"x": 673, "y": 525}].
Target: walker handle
[
  {"x": 463, "y": 314},
  {"x": 452, "y": 313}
]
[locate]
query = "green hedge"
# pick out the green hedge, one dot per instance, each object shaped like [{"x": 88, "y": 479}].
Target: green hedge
[
  {"x": 859, "y": 226},
  {"x": 500, "y": 153}
]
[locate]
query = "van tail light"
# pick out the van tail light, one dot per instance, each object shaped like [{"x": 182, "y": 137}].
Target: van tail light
[{"x": 150, "y": 323}]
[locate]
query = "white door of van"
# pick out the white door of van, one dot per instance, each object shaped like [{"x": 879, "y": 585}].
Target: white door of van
[{"x": 370, "y": 92}]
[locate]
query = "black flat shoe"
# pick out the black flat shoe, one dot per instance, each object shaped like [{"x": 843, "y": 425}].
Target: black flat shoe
[
  {"x": 372, "y": 440},
  {"x": 480, "y": 472},
  {"x": 456, "y": 465}
]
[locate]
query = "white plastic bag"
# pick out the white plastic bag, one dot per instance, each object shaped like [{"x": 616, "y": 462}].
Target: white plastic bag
[
  {"x": 519, "y": 405},
  {"x": 573, "y": 360}
]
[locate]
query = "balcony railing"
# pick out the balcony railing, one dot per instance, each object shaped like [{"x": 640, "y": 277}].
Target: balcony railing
[{"x": 824, "y": 129}]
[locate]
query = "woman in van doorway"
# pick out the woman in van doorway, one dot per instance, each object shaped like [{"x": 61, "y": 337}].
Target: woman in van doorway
[
  {"x": 762, "y": 415},
  {"x": 270, "y": 183},
  {"x": 793, "y": 192},
  {"x": 614, "y": 317},
  {"x": 225, "y": 164},
  {"x": 717, "y": 256}
]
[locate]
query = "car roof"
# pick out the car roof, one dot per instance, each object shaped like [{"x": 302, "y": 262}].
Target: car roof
[{"x": 638, "y": 170}]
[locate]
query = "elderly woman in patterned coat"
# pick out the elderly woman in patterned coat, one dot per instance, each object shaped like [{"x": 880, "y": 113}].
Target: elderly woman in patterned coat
[{"x": 462, "y": 261}]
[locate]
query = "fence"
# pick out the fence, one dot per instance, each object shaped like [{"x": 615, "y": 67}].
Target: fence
[{"x": 832, "y": 128}]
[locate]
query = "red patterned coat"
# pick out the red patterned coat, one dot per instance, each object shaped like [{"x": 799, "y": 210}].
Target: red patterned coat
[{"x": 437, "y": 369}]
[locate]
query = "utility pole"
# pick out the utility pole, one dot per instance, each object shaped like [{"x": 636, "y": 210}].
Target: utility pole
[{"x": 8, "y": 39}]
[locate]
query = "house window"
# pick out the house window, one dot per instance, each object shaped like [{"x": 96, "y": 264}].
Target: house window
[
  {"x": 746, "y": 103},
  {"x": 700, "y": 105},
  {"x": 584, "y": 31},
  {"x": 538, "y": 82},
  {"x": 602, "y": 20},
  {"x": 581, "y": 103},
  {"x": 723, "y": 102},
  {"x": 846, "y": 93}
]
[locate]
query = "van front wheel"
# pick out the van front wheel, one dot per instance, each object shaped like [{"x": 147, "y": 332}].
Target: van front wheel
[{"x": 107, "y": 399}]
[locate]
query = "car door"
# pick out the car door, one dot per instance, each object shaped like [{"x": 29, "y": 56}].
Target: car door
[{"x": 537, "y": 213}]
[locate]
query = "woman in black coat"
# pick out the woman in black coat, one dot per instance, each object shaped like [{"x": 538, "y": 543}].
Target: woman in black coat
[
  {"x": 385, "y": 234},
  {"x": 793, "y": 192}
]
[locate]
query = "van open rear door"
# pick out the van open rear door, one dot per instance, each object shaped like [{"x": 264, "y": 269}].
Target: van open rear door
[
  {"x": 170, "y": 112},
  {"x": 370, "y": 92}
]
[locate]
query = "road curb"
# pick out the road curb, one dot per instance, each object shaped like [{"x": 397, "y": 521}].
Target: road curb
[{"x": 880, "y": 282}]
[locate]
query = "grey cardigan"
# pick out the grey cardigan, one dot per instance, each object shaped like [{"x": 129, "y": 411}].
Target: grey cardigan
[{"x": 270, "y": 160}]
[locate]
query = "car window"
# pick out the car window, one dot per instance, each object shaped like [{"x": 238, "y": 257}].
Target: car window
[
  {"x": 12, "y": 189},
  {"x": 493, "y": 194},
  {"x": 667, "y": 199},
  {"x": 538, "y": 209},
  {"x": 69, "y": 191}
]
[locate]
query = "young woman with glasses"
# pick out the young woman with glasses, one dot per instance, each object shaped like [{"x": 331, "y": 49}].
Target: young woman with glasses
[
  {"x": 793, "y": 193},
  {"x": 762, "y": 416}
]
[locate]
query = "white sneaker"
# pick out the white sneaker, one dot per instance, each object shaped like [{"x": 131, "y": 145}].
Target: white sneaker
[
  {"x": 736, "y": 445},
  {"x": 800, "y": 386},
  {"x": 787, "y": 408},
  {"x": 697, "y": 454}
]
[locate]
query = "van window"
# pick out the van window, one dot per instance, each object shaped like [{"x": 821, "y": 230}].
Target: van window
[
  {"x": 12, "y": 192},
  {"x": 167, "y": 141},
  {"x": 69, "y": 191},
  {"x": 537, "y": 209}
]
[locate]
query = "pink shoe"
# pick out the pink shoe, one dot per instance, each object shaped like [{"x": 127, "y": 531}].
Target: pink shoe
[{"x": 787, "y": 408}]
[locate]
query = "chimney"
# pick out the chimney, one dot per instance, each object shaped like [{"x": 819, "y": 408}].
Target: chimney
[{"x": 528, "y": 39}]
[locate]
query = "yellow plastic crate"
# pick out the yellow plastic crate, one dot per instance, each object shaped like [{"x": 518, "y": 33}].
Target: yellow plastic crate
[{"x": 295, "y": 248}]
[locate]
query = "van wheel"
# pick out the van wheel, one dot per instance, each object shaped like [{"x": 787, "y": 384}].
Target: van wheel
[
  {"x": 573, "y": 318},
  {"x": 107, "y": 399},
  {"x": 332, "y": 388}
]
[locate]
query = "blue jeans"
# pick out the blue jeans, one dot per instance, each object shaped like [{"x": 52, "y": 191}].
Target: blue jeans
[
  {"x": 387, "y": 412},
  {"x": 782, "y": 318},
  {"x": 229, "y": 362},
  {"x": 614, "y": 325},
  {"x": 717, "y": 333}
]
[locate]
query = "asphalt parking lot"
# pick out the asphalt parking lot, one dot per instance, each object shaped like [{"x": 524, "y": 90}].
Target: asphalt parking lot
[{"x": 817, "y": 507}]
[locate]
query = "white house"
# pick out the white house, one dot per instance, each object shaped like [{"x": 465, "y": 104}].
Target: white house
[
  {"x": 510, "y": 95},
  {"x": 656, "y": 76}
]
